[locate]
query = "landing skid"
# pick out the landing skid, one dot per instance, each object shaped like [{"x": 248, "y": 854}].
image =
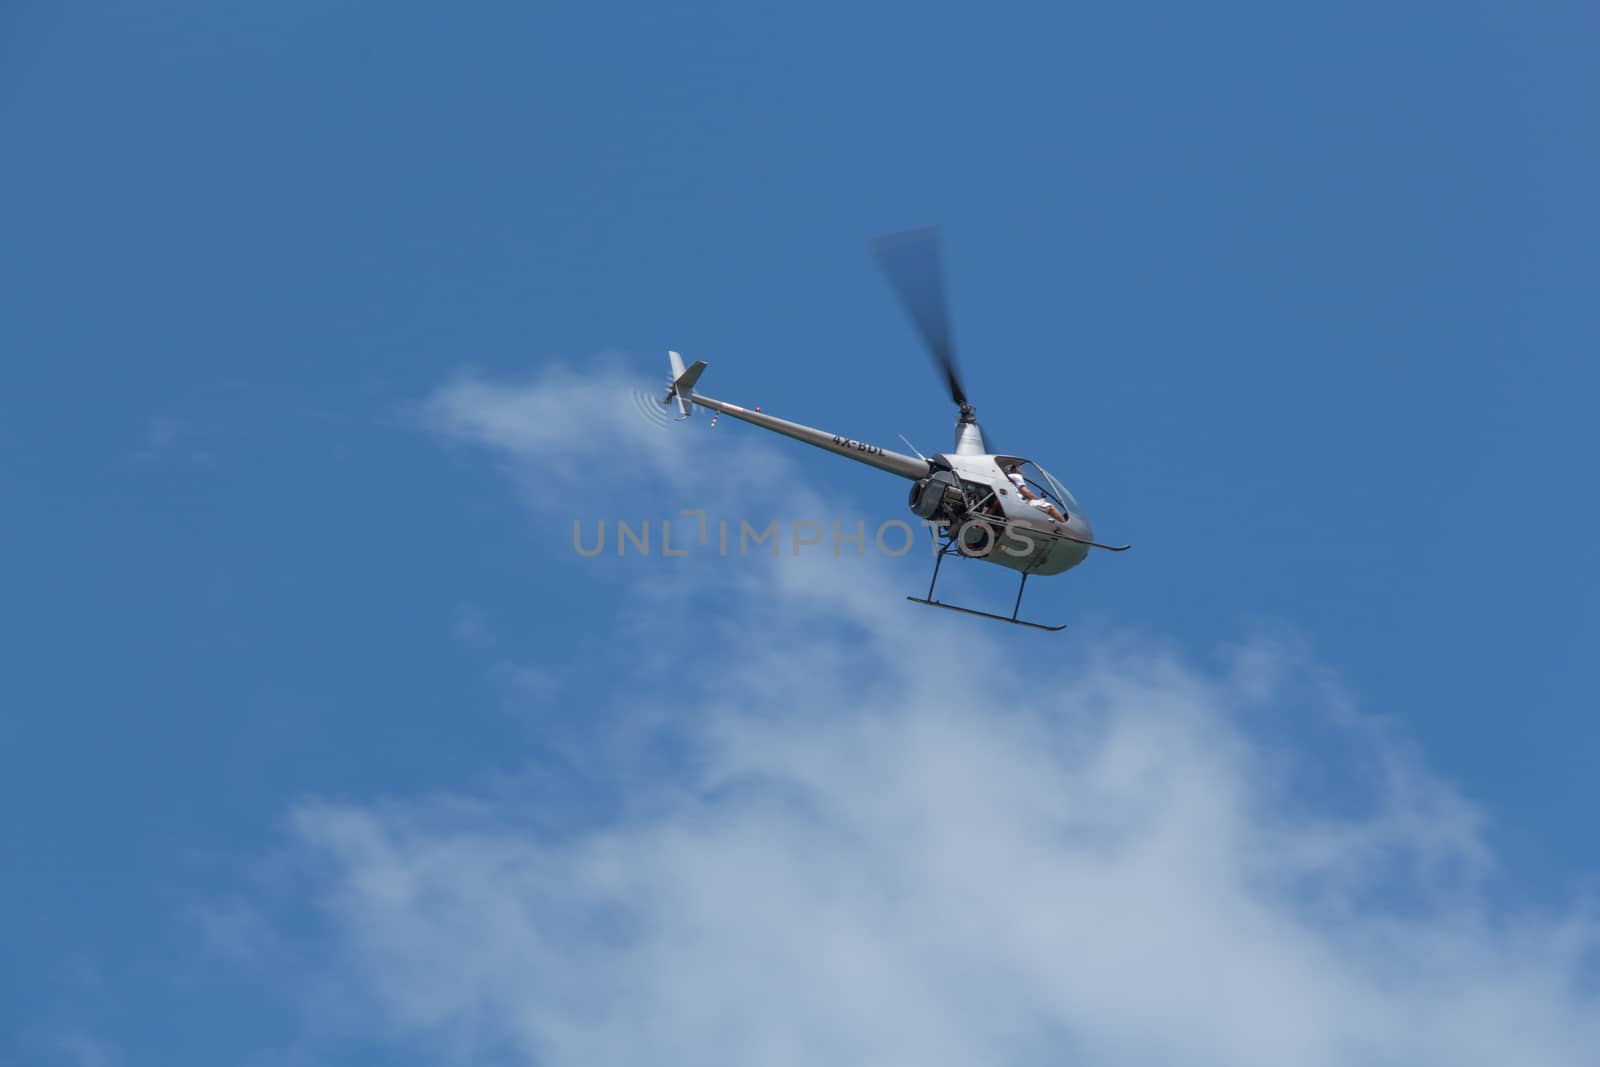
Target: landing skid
[
  {"x": 1013, "y": 620},
  {"x": 985, "y": 614}
]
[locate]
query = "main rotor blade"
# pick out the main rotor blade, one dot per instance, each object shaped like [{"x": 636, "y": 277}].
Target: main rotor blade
[{"x": 912, "y": 262}]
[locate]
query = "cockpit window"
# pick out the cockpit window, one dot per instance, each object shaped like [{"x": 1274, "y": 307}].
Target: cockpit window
[{"x": 1039, "y": 480}]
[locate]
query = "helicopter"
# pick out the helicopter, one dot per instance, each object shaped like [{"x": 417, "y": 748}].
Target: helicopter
[{"x": 997, "y": 508}]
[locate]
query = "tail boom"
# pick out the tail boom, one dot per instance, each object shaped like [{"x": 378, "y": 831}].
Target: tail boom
[
  {"x": 860, "y": 451},
  {"x": 682, "y": 390}
]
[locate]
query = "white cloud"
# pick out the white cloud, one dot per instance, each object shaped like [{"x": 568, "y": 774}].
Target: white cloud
[
  {"x": 597, "y": 433},
  {"x": 887, "y": 836},
  {"x": 558, "y": 413},
  {"x": 957, "y": 874}
]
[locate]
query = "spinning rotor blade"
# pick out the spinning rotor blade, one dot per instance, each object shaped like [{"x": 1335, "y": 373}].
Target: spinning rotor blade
[{"x": 912, "y": 262}]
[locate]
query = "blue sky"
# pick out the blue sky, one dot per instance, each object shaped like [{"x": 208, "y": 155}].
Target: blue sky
[{"x": 320, "y": 323}]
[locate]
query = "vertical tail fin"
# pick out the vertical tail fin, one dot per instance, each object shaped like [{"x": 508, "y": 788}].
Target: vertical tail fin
[{"x": 682, "y": 387}]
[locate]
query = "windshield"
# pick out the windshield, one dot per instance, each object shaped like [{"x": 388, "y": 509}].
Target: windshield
[{"x": 1041, "y": 482}]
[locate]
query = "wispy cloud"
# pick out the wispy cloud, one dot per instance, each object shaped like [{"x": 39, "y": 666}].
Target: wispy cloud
[
  {"x": 883, "y": 837},
  {"x": 584, "y": 432},
  {"x": 168, "y": 442},
  {"x": 562, "y": 415},
  {"x": 82, "y": 1050}
]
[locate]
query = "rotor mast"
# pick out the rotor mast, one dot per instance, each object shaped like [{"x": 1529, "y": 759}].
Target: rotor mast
[{"x": 969, "y": 436}]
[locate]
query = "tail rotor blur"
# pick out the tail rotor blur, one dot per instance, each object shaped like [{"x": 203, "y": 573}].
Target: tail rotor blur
[{"x": 654, "y": 411}]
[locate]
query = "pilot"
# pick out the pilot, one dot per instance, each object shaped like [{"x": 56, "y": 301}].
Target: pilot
[{"x": 1015, "y": 474}]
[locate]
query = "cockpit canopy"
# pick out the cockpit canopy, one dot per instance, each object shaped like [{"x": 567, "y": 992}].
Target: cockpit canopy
[{"x": 1041, "y": 482}]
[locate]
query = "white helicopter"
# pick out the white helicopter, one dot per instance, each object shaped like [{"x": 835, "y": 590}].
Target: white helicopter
[{"x": 997, "y": 508}]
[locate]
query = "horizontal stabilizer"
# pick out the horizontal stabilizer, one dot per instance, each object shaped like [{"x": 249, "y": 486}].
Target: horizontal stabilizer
[{"x": 685, "y": 381}]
